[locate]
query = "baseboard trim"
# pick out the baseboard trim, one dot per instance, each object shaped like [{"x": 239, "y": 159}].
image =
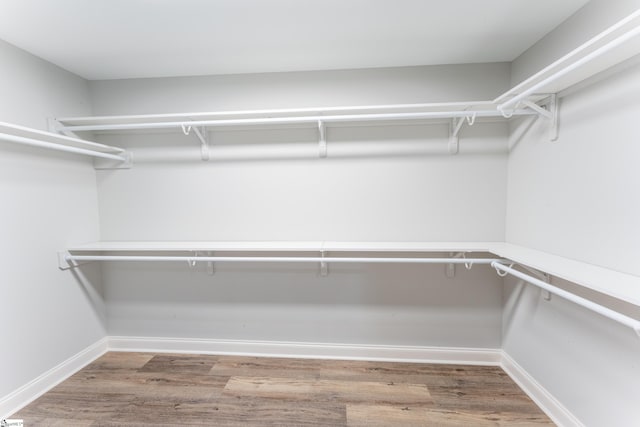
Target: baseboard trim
[
  {"x": 470, "y": 356},
  {"x": 541, "y": 396},
  {"x": 26, "y": 394}
]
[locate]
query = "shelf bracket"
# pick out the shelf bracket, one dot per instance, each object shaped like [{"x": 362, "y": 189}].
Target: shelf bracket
[
  {"x": 537, "y": 108},
  {"x": 450, "y": 268},
  {"x": 454, "y": 131},
  {"x": 211, "y": 268},
  {"x": 546, "y": 294},
  {"x": 322, "y": 140},
  {"x": 550, "y": 113},
  {"x": 202, "y": 135},
  {"x": 553, "y": 107},
  {"x": 541, "y": 275},
  {"x": 324, "y": 268},
  {"x": 103, "y": 164},
  {"x": 54, "y": 126}
]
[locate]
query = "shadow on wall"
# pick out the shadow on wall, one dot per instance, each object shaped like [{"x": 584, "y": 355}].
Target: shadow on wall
[
  {"x": 257, "y": 283},
  {"x": 89, "y": 278},
  {"x": 368, "y": 142}
]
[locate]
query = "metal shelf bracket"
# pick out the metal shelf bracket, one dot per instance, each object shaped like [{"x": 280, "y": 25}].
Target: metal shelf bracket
[
  {"x": 548, "y": 109},
  {"x": 324, "y": 267},
  {"x": 202, "y": 135},
  {"x": 322, "y": 140},
  {"x": 454, "y": 130}
]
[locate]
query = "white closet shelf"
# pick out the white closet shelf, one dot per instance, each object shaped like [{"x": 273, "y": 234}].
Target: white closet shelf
[
  {"x": 471, "y": 111},
  {"x": 37, "y": 138},
  {"x": 282, "y": 246},
  {"x": 622, "y": 286},
  {"x": 612, "y": 46}
]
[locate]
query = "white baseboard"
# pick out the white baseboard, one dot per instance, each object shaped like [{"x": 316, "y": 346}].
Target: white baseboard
[
  {"x": 545, "y": 400},
  {"x": 416, "y": 354},
  {"x": 29, "y": 392}
]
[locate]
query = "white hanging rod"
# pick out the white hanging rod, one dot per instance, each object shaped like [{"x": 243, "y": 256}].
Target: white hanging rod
[
  {"x": 600, "y": 309},
  {"x": 299, "y": 119},
  {"x": 566, "y": 69},
  {"x": 53, "y": 146},
  {"x": 365, "y": 260}
]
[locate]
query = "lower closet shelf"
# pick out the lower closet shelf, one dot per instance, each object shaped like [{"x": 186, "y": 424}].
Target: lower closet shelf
[{"x": 622, "y": 286}]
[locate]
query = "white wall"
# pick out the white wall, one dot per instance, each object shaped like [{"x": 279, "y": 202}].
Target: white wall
[
  {"x": 378, "y": 183},
  {"x": 577, "y": 198},
  {"x": 47, "y": 201}
]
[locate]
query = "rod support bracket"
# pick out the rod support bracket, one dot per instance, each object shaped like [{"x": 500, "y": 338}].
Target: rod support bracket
[
  {"x": 450, "y": 268},
  {"x": 324, "y": 267},
  {"x": 322, "y": 140},
  {"x": 545, "y": 293},
  {"x": 454, "y": 129},
  {"x": 107, "y": 164},
  {"x": 211, "y": 267},
  {"x": 555, "y": 123},
  {"x": 547, "y": 108},
  {"x": 203, "y": 136},
  {"x": 54, "y": 126}
]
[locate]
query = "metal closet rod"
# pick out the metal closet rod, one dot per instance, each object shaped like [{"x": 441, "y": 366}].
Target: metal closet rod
[
  {"x": 298, "y": 119},
  {"x": 600, "y": 309},
  {"x": 53, "y": 146},
  {"x": 315, "y": 259}
]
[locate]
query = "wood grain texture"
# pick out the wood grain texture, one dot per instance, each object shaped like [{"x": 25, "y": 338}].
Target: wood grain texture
[
  {"x": 374, "y": 416},
  {"x": 328, "y": 390},
  {"x": 144, "y": 389}
]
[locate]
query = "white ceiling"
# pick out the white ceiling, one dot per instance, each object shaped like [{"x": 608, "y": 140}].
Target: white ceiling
[{"x": 114, "y": 39}]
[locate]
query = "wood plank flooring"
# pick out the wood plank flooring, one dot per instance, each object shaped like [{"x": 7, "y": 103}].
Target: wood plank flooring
[{"x": 143, "y": 389}]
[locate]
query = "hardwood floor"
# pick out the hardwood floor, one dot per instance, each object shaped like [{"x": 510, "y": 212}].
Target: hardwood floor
[{"x": 142, "y": 389}]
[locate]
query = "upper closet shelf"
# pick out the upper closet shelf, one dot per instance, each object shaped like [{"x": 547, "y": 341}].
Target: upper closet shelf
[
  {"x": 614, "y": 45},
  {"x": 299, "y": 116},
  {"x": 52, "y": 141}
]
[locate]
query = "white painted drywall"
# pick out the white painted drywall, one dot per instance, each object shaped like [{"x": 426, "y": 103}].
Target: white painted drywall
[
  {"x": 590, "y": 364},
  {"x": 48, "y": 200},
  {"x": 577, "y": 197},
  {"x": 391, "y": 183}
]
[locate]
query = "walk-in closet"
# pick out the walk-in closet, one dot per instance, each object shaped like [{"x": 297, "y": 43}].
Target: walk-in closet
[{"x": 338, "y": 212}]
